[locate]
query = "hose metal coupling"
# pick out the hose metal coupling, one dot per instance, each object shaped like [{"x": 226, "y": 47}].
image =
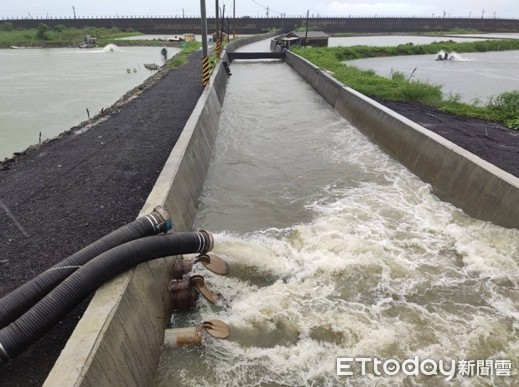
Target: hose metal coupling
[
  {"x": 161, "y": 219},
  {"x": 207, "y": 242}
]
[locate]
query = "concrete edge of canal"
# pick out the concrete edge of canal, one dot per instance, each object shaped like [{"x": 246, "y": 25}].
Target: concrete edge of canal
[{"x": 118, "y": 342}]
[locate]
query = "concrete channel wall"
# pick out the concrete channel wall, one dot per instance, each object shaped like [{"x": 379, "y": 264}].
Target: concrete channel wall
[
  {"x": 477, "y": 187},
  {"x": 118, "y": 342}
]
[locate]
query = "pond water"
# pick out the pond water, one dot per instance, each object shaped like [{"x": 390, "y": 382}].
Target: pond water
[
  {"x": 393, "y": 40},
  {"x": 474, "y": 77},
  {"x": 48, "y": 91}
]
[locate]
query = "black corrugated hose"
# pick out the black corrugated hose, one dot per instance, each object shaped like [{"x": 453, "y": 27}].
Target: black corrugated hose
[
  {"x": 31, "y": 326},
  {"x": 17, "y": 302}
]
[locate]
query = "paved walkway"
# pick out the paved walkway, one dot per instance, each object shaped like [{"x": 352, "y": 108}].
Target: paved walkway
[{"x": 70, "y": 192}]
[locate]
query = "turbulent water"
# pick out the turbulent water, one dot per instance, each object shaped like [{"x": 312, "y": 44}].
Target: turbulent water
[{"x": 337, "y": 251}]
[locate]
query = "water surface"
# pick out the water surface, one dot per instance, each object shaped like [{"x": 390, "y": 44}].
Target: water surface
[
  {"x": 336, "y": 250},
  {"x": 48, "y": 91},
  {"x": 474, "y": 77},
  {"x": 395, "y": 40}
]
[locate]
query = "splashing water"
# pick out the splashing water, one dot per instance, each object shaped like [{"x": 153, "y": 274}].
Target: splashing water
[
  {"x": 453, "y": 56},
  {"x": 376, "y": 266},
  {"x": 387, "y": 274},
  {"x": 457, "y": 57},
  {"x": 111, "y": 48}
]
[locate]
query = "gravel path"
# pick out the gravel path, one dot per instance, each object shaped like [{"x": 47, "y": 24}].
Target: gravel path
[
  {"x": 491, "y": 141},
  {"x": 67, "y": 193}
]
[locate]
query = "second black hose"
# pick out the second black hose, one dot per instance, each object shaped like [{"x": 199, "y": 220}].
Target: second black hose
[{"x": 17, "y": 302}]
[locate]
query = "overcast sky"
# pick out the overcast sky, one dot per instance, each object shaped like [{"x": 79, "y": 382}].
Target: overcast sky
[{"x": 255, "y": 8}]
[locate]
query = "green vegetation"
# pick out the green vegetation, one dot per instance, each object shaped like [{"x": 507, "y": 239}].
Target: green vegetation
[
  {"x": 42, "y": 32},
  {"x": 358, "y": 52},
  {"x": 182, "y": 56},
  {"x": 399, "y": 87},
  {"x": 57, "y": 36},
  {"x": 506, "y": 106},
  {"x": 455, "y": 31},
  {"x": 7, "y": 26}
]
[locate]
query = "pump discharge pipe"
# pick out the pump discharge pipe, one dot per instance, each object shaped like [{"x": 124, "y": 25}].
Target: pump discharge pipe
[
  {"x": 192, "y": 336},
  {"x": 31, "y": 326}
]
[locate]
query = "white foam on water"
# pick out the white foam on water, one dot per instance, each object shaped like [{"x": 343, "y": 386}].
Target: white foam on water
[
  {"x": 111, "y": 48},
  {"x": 393, "y": 273},
  {"x": 454, "y": 56}
]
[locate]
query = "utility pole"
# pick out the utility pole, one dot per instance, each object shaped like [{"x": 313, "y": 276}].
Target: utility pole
[
  {"x": 74, "y": 10},
  {"x": 223, "y": 24},
  {"x": 183, "y": 16},
  {"x": 267, "y": 11},
  {"x": 233, "y": 19},
  {"x": 205, "y": 59},
  {"x": 216, "y": 21},
  {"x": 306, "y": 31},
  {"x": 204, "y": 28},
  {"x": 217, "y": 32}
]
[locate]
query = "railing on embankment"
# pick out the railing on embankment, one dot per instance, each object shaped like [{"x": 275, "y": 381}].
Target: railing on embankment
[
  {"x": 118, "y": 341},
  {"x": 255, "y": 25}
]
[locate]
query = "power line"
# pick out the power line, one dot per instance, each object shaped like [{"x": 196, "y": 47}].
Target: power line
[{"x": 267, "y": 8}]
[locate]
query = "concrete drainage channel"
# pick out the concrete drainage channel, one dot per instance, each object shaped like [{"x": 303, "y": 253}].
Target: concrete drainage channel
[{"x": 119, "y": 340}]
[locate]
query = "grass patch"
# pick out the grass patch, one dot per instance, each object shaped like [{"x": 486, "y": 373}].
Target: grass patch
[
  {"x": 399, "y": 87},
  {"x": 182, "y": 56},
  {"x": 506, "y": 107},
  {"x": 58, "y": 35},
  {"x": 358, "y": 52},
  {"x": 455, "y": 31}
]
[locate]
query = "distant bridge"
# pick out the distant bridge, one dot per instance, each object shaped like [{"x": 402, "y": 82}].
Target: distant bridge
[{"x": 251, "y": 25}]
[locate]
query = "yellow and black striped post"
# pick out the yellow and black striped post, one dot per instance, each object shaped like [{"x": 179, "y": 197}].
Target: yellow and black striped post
[
  {"x": 205, "y": 70},
  {"x": 218, "y": 48}
]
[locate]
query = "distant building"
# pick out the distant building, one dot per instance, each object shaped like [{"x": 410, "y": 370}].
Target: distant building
[{"x": 303, "y": 38}]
